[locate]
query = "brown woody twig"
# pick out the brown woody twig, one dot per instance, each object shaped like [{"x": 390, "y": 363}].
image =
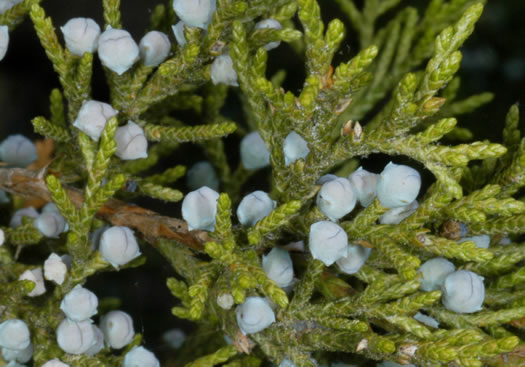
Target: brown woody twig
[{"x": 150, "y": 225}]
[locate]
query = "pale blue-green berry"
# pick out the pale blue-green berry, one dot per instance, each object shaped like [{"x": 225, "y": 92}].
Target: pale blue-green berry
[
  {"x": 68, "y": 260},
  {"x": 481, "y": 241},
  {"x": 98, "y": 345},
  {"x": 254, "y": 207},
  {"x": 364, "y": 184},
  {"x": 140, "y": 357},
  {"x": 254, "y": 154},
  {"x": 18, "y": 151},
  {"x": 16, "y": 219},
  {"x": 55, "y": 269},
  {"x": 35, "y": 275},
  {"x": 75, "y": 337},
  {"x": 336, "y": 198},
  {"x": 81, "y": 35},
  {"x": 52, "y": 207},
  {"x": 434, "y": 272},
  {"x": 79, "y": 304},
  {"x": 286, "y": 363},
  {"x": 505, "y": 241},
  {"x": 178, "y": 32},
  {"x": 294, "y": 147},
  {"x": 463, "y": 292},
  {"x": 202, "y": 174},
  {"x": 397, "y": 215},
  {"x": 222, "y": 71},
  {"x": 117, "y": 327},
  {"x": 154, "y": 48},
  {"x": 131, "y": 142},
  {"x": 15, "y": 364},
  {"x": 4, "y": 199},
  {"x": 4, "y": 40},
  {"x": 8, "y": 4},
  {"x": 14, "y": 334},
  {"x": 117, "y": 50},
  {"x": 174, "y": 338},
  {"x": 354, "y": 260},
  {"x": 118, "y": 246},
  {"x": 254, "y": 315},
  {"x": 278, "y": 266},
  {"x": 225, "y": 301},
  {"x": 325, "y": 178},
  {"x": 269, "y": 24},
  {"x": 55, "y": 363},
  {"x": 195, "y": 13},
  {"x": 427, "y": 320},
  {"x": 21, "y": 356},
  {"x": 393, "y": 364},
  {"x": 92, "y": 118},
  {"x": 199, "y": 209},
  {"x": 50, "y": 224},
  {"x": 94, "y": 237},
  {"x": 398, "y": 185},
  {"x": 327, "y": 242}
]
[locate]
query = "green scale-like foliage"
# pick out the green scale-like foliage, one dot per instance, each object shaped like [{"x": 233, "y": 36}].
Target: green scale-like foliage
[{"x": 396, "y": 96}]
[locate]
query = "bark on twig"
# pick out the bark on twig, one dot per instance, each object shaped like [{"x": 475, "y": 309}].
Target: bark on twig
[{"x": 149, "y": 225}]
